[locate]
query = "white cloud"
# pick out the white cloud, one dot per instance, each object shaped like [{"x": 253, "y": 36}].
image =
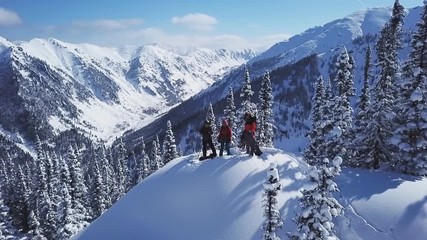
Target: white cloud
[
  {"x": 9, "y": 18},
  {"x": 108, "y": 24},
  {"x": 226, "y": 41},
  {"x": 196, "y": 21}
]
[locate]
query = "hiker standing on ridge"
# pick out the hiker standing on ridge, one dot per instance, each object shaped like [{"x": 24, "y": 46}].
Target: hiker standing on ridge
[
  {"x": 206, "y": 132},
  {"x": 249, "y": 133},
  {"x": 224, "y": 137}
]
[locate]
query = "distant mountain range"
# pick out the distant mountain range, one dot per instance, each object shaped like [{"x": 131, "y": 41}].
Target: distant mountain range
[{"x": 51, "y": 86}]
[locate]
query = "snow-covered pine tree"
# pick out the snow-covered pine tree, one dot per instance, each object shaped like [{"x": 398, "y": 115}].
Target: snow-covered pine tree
[
  {"x": 248, "y": 106},
  {"x": 337, "y": 133},
  {"x": 247, "y": 93},
  {"x": 329, "y": 93},
  {"x": 132, "y": 165},
  {"x": 230, "y": 114},
  {"x": 159, "y": 150},
  {"x": 34, "y": 227},
  {"x": 142, "y": 167},
  {"x": 121, "y": 169},
  {"x": 266, "y": 112},
  {"x": 7, "y": 231},
  {"x": 318, "y": 205},
  {"x": 359, "y": 148},
  {"x": 22, "y": 201},
  {"x": 344, "y": 78},
  {"x": 156, "y": 161},
  {"x": 273, "y": 221},
  {"x": 6, "y": 179},
  {"x": 411, "y": 136},
  {"x": 55, "y": 185},
  {"x": 382, "y": 109},
  {"x": 107, "y": 174},
  {"x": 210, "y": 117},
  {"x": 169, "y": 146},
  {"x": 69, "y": 220},
  {"x": 40, "y": 199},
  {"x": 78, "y": 190},
  {"x": 99, "y": 202},
  {"x": 315, "y": 136}
]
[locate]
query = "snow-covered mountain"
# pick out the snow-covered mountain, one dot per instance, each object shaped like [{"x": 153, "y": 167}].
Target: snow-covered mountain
[
  {"x": 222, "y": 199},
  {"x": 51, "y": 85},
  {"x": 335, "y": 34},
  {"x": 294, "y": 65}
]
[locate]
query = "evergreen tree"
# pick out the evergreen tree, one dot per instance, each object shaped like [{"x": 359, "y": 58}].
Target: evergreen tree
[
  {"x": 121, "y": 170},
  {"x": 271, "y": 213},
  {"x": 312, "y": 151},
  {"x": 142, "y": 168},
  {"x": 345, "y": 75},
  {"x": 359, "y": 148},
  {"x": 329, "y": 94},
  {"x": 7, "y": 231},
  {"x": 159, "y": 150},
  {"x": 382, "y": 109},
  {"x": 210, "y": 117},
  {"x": 156, "y": 161},
  {"x": 247, "y": 93},
  {"x": 266, "y": 124},
  {"x": 338, "y": 120},
  {"x": 22, "y": 203},
  {"x": 78, "y": 190},
  {"x": 107, "y": 174},
  {"x": 169, "y": 146},
  {"x": 411, "y": 136},
  {"x": 318, "y": 205},
  {"x": 230, "y": 114},
  {"x": 98, "y": 194},
  {"x": 34, "y": 226},
  {"x": 70, "y": 221},
  {"x": 40, "y": 199},
  {"x": 248, "y": 106},
  {"x": 6, "y": 179}
]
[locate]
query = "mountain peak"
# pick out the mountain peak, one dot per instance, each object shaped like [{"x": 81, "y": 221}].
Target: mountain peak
[{"x": 321, "y": 39}]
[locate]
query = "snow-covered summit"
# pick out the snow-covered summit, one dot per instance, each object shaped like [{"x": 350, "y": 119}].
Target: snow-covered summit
[{"x": 222, "y": 198}]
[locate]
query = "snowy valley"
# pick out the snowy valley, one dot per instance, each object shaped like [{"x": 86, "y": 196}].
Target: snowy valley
[{"x": 102, "y": 91}]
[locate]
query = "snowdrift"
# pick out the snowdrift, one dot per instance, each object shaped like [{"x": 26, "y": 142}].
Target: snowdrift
[{"x": 221, "y": 199}]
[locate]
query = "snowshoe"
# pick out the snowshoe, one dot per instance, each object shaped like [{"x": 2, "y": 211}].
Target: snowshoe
[{"x": 207, "y": 157}]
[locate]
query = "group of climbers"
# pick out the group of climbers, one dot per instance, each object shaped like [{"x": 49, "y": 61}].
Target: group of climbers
[{"x": 225, "y": 135}]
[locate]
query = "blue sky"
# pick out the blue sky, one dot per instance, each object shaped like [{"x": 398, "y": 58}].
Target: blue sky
[{"x": 182, "y": 23}]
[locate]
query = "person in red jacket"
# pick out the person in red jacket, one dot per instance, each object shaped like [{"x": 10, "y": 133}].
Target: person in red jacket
[
  {"x": 224, "y": 137},
  {"x": 249, "y": 133}
]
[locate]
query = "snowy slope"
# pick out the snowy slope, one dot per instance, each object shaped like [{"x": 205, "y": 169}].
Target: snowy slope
[{"x": 221, "y": 199}]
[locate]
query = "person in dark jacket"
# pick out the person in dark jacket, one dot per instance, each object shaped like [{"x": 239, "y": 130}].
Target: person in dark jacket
[
  {"x": 224, "y": 137},
  {"x": 249, "y": 133},
  {"x": 206, "y": 132}
]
